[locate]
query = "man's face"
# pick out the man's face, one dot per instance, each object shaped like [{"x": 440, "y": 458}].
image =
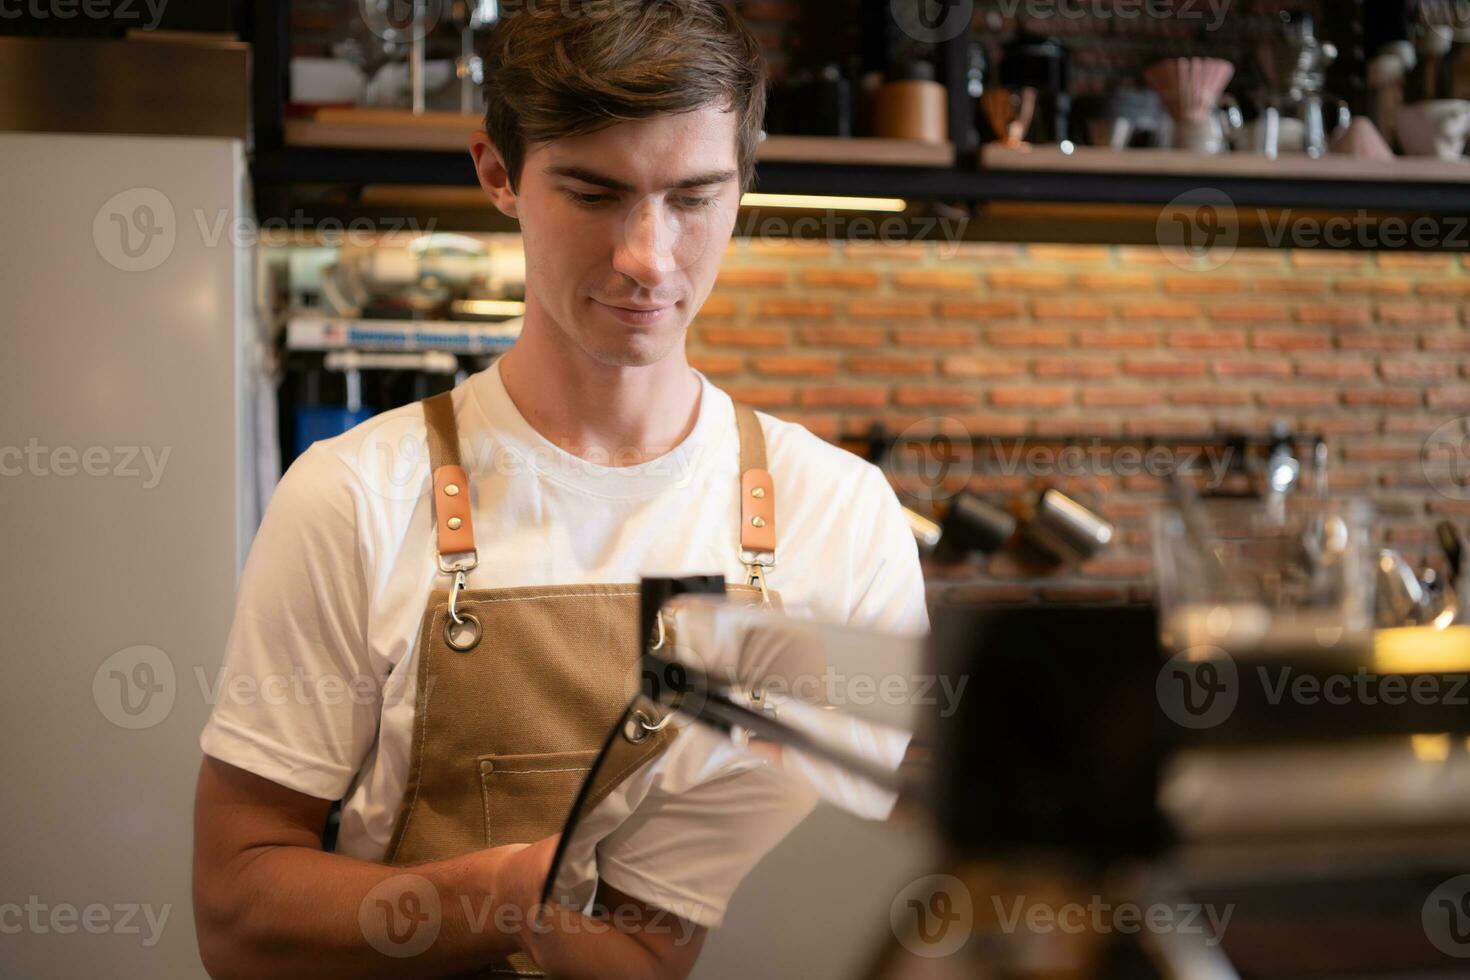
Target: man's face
[{"x": 624, "y": 230}]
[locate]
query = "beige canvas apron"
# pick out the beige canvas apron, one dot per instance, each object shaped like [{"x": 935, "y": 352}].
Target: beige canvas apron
[{"x": 518, "y": 687}]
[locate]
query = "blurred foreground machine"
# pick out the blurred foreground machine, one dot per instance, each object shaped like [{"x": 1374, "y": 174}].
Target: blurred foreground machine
[{"x": 1048, "y": 791}]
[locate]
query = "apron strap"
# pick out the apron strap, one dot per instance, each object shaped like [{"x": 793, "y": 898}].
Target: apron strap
[
  {"x": 757, "y": 494},
  {"x": 454, "y": 531}
]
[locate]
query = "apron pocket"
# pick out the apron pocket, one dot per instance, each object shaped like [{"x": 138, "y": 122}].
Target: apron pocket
[{"x": 528, "y": 797}]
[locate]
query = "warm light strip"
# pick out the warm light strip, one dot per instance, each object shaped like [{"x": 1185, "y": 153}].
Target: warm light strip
[
  {"x": 806, "y": 202},
  {"x": 491, "y": 307}
]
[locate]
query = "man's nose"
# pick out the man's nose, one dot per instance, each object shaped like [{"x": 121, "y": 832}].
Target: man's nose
[{"x": 650, "y": 243}]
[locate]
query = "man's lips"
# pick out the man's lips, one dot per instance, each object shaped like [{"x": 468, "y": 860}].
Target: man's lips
[{"x": 636, "y": 314}]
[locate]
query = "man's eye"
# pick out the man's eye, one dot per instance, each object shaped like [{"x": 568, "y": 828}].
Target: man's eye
[
  {"x": 694, "y": 203},
  {"x": 587, "y": 200}
]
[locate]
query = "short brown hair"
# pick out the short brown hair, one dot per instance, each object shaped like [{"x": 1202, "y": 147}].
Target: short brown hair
[{"x": 560, "y": 68}]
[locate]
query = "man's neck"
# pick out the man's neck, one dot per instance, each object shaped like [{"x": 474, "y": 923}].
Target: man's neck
[{"x": 618, "y": 415}]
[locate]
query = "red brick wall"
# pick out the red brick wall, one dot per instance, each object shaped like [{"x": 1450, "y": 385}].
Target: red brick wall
[{"x": 1372, "y": 350}]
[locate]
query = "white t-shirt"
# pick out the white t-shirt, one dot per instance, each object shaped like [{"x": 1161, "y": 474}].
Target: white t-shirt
[{"x": 317, "y": 689}]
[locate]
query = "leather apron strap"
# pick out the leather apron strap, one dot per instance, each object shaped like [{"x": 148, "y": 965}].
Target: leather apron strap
[{"x": 455, "y": 533}]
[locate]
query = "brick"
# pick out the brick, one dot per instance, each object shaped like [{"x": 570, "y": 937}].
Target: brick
[
  {"x": 1088, "y": 254},
  {"x": 884, "y": 250},
  {"x": 789, "y": 248},
  {"x": 1334, "y": 314},
  {"x": 1297, "y": 398},
  {"x": 1272, "y": 286},
  {"x": 1070, "y": 427},
  {"x": 1453, "y": 398},
  {"x": 1218, "y": 397},
  {"x": 1288, "y": 340},
  {"x": 1207, "y": 339},
  {"x": 763, "y": 396},
  {"x": 1381, "y": 398},
  {"x": 986, "y": 252},
  {"x": 1417, "y": 261},
  {"x": 1070, "y": 309},
  {"x": 912, "y": 396},
  {"x": 1381, "y": 454},
  {"x": 1118, "y": 568},
  {"x": 1417, "y": 370},
  {"x": 1252, "y": 311},
  {"x": 993, "y": 425},
  {"x": 811, "y": 309},
  {"x": 988, "y": 594},
  {"x": 1252, "y": 368},
  {"x": 751, "y": 277},
  {"x": 844, "y": 396},
  {"x": 1030, "y": 397},
  {"x": 808, "y": 365},
  {"x": 1418, "y": 314},
  {"x": 1160, "y": 309},
  {"x": 841, "y": 278},
  {"x": 719, "y": 307},
  {"x": 1164, "y": 369},
  {"x": 1446, "y": 288},
  {"x": 1128, "y": 282},
  {"x": 1134, "y": 255},
  {"x": 1375, "y": 287},
  {"x": 1419, "y": 425},
  {"x": 1337, "y": 370},
  {"x": 1364, "y": 340},
  {"x": 1184, "y": 285},
  {"x": 935, "y": 281},
  {"x": 1121, "y": 397},
  {"x": 1447, "y": 342},
  {"x": 745, "y": 336},
  {"x": 717, "y": 364},
  {"x": 1028, "y": 337},
  {"x": 981, "y": 366},
  {"x": 1167, "y": 426},
  {"x": 842, "y": 336},
  {"x": 909, "y": 366},
  {"x": 1026, "y": 279},
  {"x": 986, "y": 309},
  {"x": 891, "y": 309},
  {"x": 1117, "y": 339},
  {"x": 1324, "y": 258},
  {"x": 936, "y": 336},
  {"x": 1070, "y": 367}
]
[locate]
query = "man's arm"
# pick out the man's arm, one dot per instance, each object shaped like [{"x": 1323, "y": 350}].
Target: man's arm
[{"x": 268, "y": 901}]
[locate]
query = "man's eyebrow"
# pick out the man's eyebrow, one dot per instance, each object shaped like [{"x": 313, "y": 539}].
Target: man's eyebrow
[{"x": 599, "y": 180}]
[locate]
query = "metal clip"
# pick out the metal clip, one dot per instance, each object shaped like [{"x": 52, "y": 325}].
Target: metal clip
[
  {"x": 458, "y": 570},
  {"x": 758, "y": 577}
]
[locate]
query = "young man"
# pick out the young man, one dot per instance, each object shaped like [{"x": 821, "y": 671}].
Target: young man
[{"x": 621, "y": 134}]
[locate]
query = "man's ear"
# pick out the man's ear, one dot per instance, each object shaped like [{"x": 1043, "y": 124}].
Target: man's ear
[{"x": 494, "y": 178}]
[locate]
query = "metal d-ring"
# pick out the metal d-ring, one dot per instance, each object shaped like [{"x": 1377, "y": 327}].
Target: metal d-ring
[
  {"x": 463, "y": 646},
  {"x": 641, "y": 727}
]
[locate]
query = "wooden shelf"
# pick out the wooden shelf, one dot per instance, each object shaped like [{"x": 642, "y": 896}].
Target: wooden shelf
[
  {"x": 1178, "y": 163},
  {"x": 396, "y": 129}
]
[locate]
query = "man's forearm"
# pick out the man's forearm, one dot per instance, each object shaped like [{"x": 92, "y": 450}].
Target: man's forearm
[{"x": 291, "y": 911}]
